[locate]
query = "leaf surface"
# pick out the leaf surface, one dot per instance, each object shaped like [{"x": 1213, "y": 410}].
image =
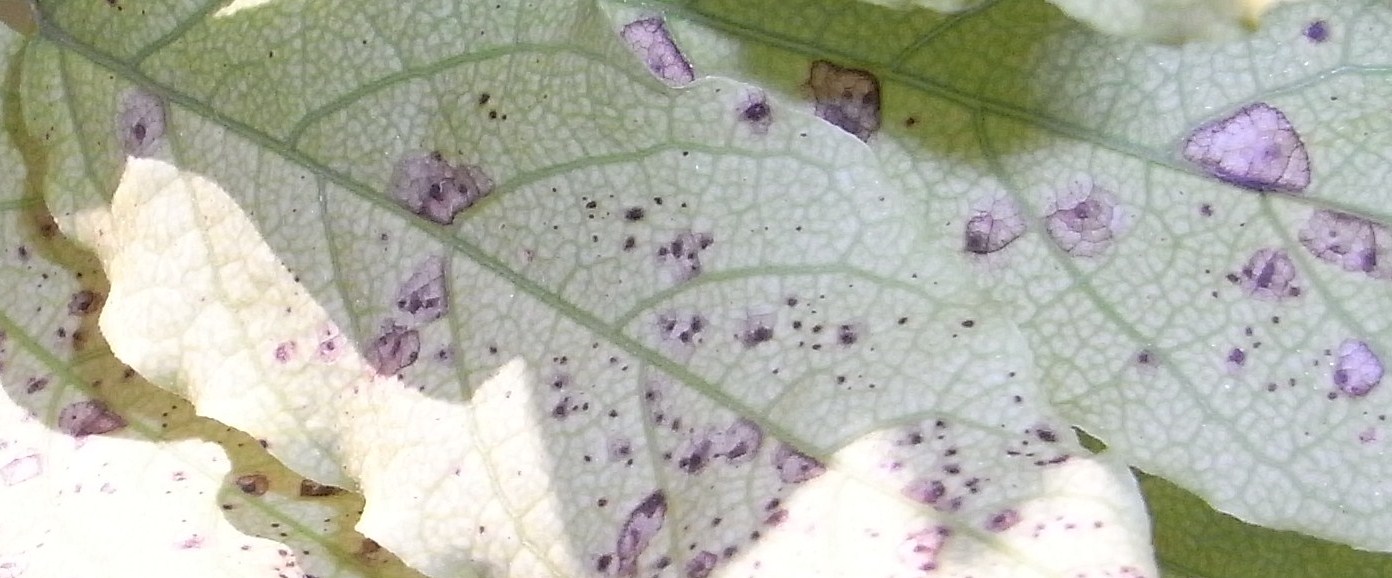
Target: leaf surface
[
  {"x": 843, "y": 404},
  {"x": 1197, "y": 233}
]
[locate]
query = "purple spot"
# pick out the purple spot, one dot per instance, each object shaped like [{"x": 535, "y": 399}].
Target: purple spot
[
  {"x": 924, "y": 491},
  {"x": 1269, "y": 275},
  {"x": 757, "y": 329},
  {"x": 140, "y": 122},
  {"x": 649, "y": 40},
  {"x": 681, "y": 257},
  {"x": 756, "y": 112},
  {"x": 433, "y": 188},
  {"x": 795, "y": 467},
  {"x": 993, "y": 227},
  {"x": 394, "y": 350},
  {"x": 1003, "y": 520},
  {"x": 1357, "y": 370},
  {"x": 285, "y": 351},
  {"x": 619, "y": 449},
  {"x": 1146, "y": 357},
  {"x": 683, "y": 329},
  {"x": 637, "y": 532},
  {"x": 92, "y": 417},
  {"x": 848, "y": 334},
  {"x": 739, "y": 442},
  {"x": 1317, "y": 31},
  {"x": 1353, "y": 243},
  {"x": 697, "y": 455},
  {"x": 21, "y": 469},
  {"x": 920, "y": 549},
  {"x": 1085, "y": 219},
  {"x": 1254, "y": 148},
  {"x": 702, "y": 564},
  {"x": 424, "y": 296},
  {"x": 1236, "y": 358},
  {"x": 848, "y": 98},
  {"x": 331, "y": 344}
]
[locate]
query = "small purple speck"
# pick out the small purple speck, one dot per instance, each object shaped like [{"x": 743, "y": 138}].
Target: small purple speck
[
  {"x": 1237, "y": 357},
  {"x": 1317, "y": 31}
]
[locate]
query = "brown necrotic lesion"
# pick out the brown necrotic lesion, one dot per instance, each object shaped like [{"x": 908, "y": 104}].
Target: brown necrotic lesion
[{"x": 846, "y": 97}]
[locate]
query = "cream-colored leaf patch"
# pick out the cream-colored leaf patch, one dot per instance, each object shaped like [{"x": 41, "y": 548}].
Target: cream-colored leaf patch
[
  {"x": 1170, "y": 20},
  {"x": 91, "y": 505}
]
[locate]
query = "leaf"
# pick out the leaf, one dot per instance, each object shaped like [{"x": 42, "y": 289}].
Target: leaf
[
  {"x": 1212, "y": 318},
  {"x": 563, "y": 417},
  {"x": 1193, "y": 539}
]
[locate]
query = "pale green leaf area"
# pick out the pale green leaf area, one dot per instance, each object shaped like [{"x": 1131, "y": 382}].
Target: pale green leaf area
[
  {"x": 821, "y": 381},
  {"x": 103, "y": 474},
  {"x": 846, "y": 405},
  {"x": 1157, "y": 342}
]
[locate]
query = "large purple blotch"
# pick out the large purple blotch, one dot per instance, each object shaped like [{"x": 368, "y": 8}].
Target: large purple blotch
[
  {"x": 432, "y": 187},
  {"x": 424, "y": 295},
  {"x": 846, "y": 97},
  {"x": 1268, "y": 275},
  {"x": 1254, "y": 148},
  {"x": 637, "y": 532},
  {"x": 1085, "y": 219},
  {"x": 648, "y": 38},
  {"x": 140, "y": 122},
  {"x": 795, "y": 467},
  {"x": 681, "y": 257},
  {"x": 92, "y": 417},
  {"x": 393, "y": 350},
  {"x": 1353, "y": 243},
  {"x": 992, "y": 228},
  {"x": 1357, "y": 370}
]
